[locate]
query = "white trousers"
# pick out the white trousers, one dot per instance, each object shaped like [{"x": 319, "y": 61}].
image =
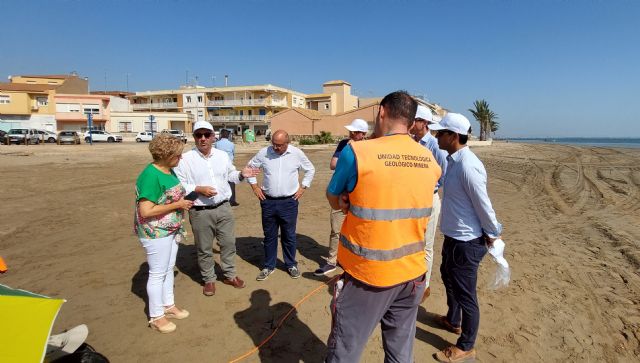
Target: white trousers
[
  {"x": 161, "y": 256},
  {"x": 430, "y": 235}
]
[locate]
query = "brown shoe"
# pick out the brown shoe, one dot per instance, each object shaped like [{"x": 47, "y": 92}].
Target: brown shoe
[
  {"x": 446, "y": 325},
  {"x": 235, "y": 282},
  {"x": 209, "y": 289},
  {"x": 454, "y": 354},
  {"x": 427, "y": 293}
]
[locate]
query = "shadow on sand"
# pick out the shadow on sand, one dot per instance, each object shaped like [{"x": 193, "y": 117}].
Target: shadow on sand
[
  {"x": 294, "y": 341},
  {"x": 250, "y": 249},
  {"x": 434, "y": 340},
  {"x": 139, "y": 285}
]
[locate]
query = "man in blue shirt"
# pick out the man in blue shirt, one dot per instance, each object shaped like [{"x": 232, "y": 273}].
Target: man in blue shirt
[
  {"x": 227, "y": 146},
  {"x": 469, "y": 225},
  {"x": 422, "y": 135},
  {"x": 357, "y": 131}
]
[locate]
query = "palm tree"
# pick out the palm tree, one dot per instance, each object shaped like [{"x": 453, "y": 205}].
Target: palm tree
[
  {"x": 493, "y": 124},
  {"x": 485, "y": 117}
]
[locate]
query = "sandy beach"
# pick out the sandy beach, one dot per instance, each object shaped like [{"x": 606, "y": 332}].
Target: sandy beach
[{"x": 571, "y": 225}]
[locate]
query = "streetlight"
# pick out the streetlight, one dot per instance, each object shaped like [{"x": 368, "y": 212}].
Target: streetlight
[
  {"x": 90, "y": 123},
  {"x": 151, "y": 118}
]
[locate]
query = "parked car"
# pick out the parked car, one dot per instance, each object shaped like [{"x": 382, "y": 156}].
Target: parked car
[
  {"x": 102, "y": 136},
  {"x": 47, "y": 136},
  {"x": 68, "y": 137},
  {"x": 144, "y": 136},
  {"x": 23, "y": 136},
  {"x": 177, "y": 133}
]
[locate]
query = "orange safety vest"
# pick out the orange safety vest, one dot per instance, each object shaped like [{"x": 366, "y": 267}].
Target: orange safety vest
[{"x": 382, "y": 237}]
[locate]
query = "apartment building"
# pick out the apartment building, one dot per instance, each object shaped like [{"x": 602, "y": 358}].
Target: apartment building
[
  {"x": 233, "y": 107},
  {"x": 72, "y": 111},
  {"x": 27, "y": 105},
  {"x": 29, "y": 100},
  {"x": 335, "y": 98}
]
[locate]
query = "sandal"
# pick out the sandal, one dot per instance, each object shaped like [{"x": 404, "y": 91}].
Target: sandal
[
  {"x": 172, "y": 312},
  {"x": 169, "y": 327}
]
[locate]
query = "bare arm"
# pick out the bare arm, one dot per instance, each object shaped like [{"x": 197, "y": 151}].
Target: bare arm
[
  {"x": 333, "y": 163},
  {"x": 149, "y": 209}
]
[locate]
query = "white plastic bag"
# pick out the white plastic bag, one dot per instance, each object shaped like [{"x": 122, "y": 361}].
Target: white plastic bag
[{"x": 503, "y": 272}]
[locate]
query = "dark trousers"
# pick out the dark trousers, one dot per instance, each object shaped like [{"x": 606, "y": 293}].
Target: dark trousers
[
  {"x": 459, "y": 271},
  {"x": 232, "y": 200},
  {"x": 282, "y": 215}
]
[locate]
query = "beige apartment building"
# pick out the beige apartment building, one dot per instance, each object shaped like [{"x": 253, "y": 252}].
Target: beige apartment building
[
  {"x": 233, "y": 107},
  {"x": 335, "y": 98},
  {"x": 244, "y": 107}
]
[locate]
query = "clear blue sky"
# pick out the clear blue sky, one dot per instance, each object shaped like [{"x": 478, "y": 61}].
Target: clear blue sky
[{"x": 547, "y": 68}]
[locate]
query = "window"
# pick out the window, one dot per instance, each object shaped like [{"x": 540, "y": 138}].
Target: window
[
  {"x": 326, "y": 106},
  {"x": 90, "y": 110},
  {"x": 199, "y": 98},
  {"x": 188, "y": 99},
  {"x": 5, "y": 99},
  {"x": 42, "y": 101},
  {"x": 125, "y": 126},
  {"x": 147, "y": 126}
]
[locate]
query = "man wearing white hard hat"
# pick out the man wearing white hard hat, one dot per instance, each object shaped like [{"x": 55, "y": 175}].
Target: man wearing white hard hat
[
  {"x": 469, "y": 225},
  {"x": 358, "y": 129},
  {"x": 421, "y": 134}
]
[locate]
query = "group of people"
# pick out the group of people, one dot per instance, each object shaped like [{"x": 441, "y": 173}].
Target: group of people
[{"x": 385, "y": 204}]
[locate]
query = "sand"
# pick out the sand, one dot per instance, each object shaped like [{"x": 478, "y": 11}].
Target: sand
[{"x": 571, "y": 225}]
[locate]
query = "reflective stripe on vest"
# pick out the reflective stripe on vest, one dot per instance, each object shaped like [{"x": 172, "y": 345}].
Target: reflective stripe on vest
[
  {"x": 389, "y": 214},
  {"x": 382, "y": 255}
]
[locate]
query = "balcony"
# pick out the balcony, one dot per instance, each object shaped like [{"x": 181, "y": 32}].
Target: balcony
[
  {"x": 235, "y": 118},
  {"x": 77, "y": 116},
  {"x": 245, "y": 102},
  {"x": 154, "y": 106}
]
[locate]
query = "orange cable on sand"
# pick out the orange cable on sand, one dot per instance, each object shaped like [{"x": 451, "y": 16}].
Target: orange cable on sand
[{"x": 255, "y": 349}]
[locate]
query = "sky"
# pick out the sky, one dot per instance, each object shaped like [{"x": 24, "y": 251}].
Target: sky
[{"x": 547, "y": 68}]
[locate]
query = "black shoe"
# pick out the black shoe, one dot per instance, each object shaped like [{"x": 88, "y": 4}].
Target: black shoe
[{"x": 234, "y": 204}]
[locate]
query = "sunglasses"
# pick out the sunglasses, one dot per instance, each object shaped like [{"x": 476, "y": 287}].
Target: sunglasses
[
  {"x": 198, "y": 135},
  {"x": 443, "y": 132}
]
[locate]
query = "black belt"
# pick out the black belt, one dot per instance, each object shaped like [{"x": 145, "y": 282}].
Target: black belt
[
  {"x": 278, "y": 198},
  {"x": 213, "y": 206}
]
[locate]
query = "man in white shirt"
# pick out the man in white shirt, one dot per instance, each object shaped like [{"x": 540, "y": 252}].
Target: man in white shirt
[
  {"x": 208, "y": 171},
  {"x": 279, "y": 197}
]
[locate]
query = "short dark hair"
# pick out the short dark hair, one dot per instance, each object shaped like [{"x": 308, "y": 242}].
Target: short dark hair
[
  {"x": 400, "y": 105},
  {"x": 463, "y": 139},
  {"x": 224, "y": 133}
]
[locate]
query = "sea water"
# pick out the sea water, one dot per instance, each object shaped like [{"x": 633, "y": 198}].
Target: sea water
[{"x": 586, "y": 141}]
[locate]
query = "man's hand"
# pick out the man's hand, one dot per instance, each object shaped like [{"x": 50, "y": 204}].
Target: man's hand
[
  {"x": 299, "y": 193},
  {"x": 249, "y": 172},
  {"x": 343, "y": 201},
  {"x": 207, "y": 191},
  {"x": 258, "y": 192},
  {"x": 489, "y": 241}
]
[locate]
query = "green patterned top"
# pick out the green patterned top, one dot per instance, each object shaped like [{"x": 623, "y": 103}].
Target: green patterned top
[{"x": 159, "y": 188}]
